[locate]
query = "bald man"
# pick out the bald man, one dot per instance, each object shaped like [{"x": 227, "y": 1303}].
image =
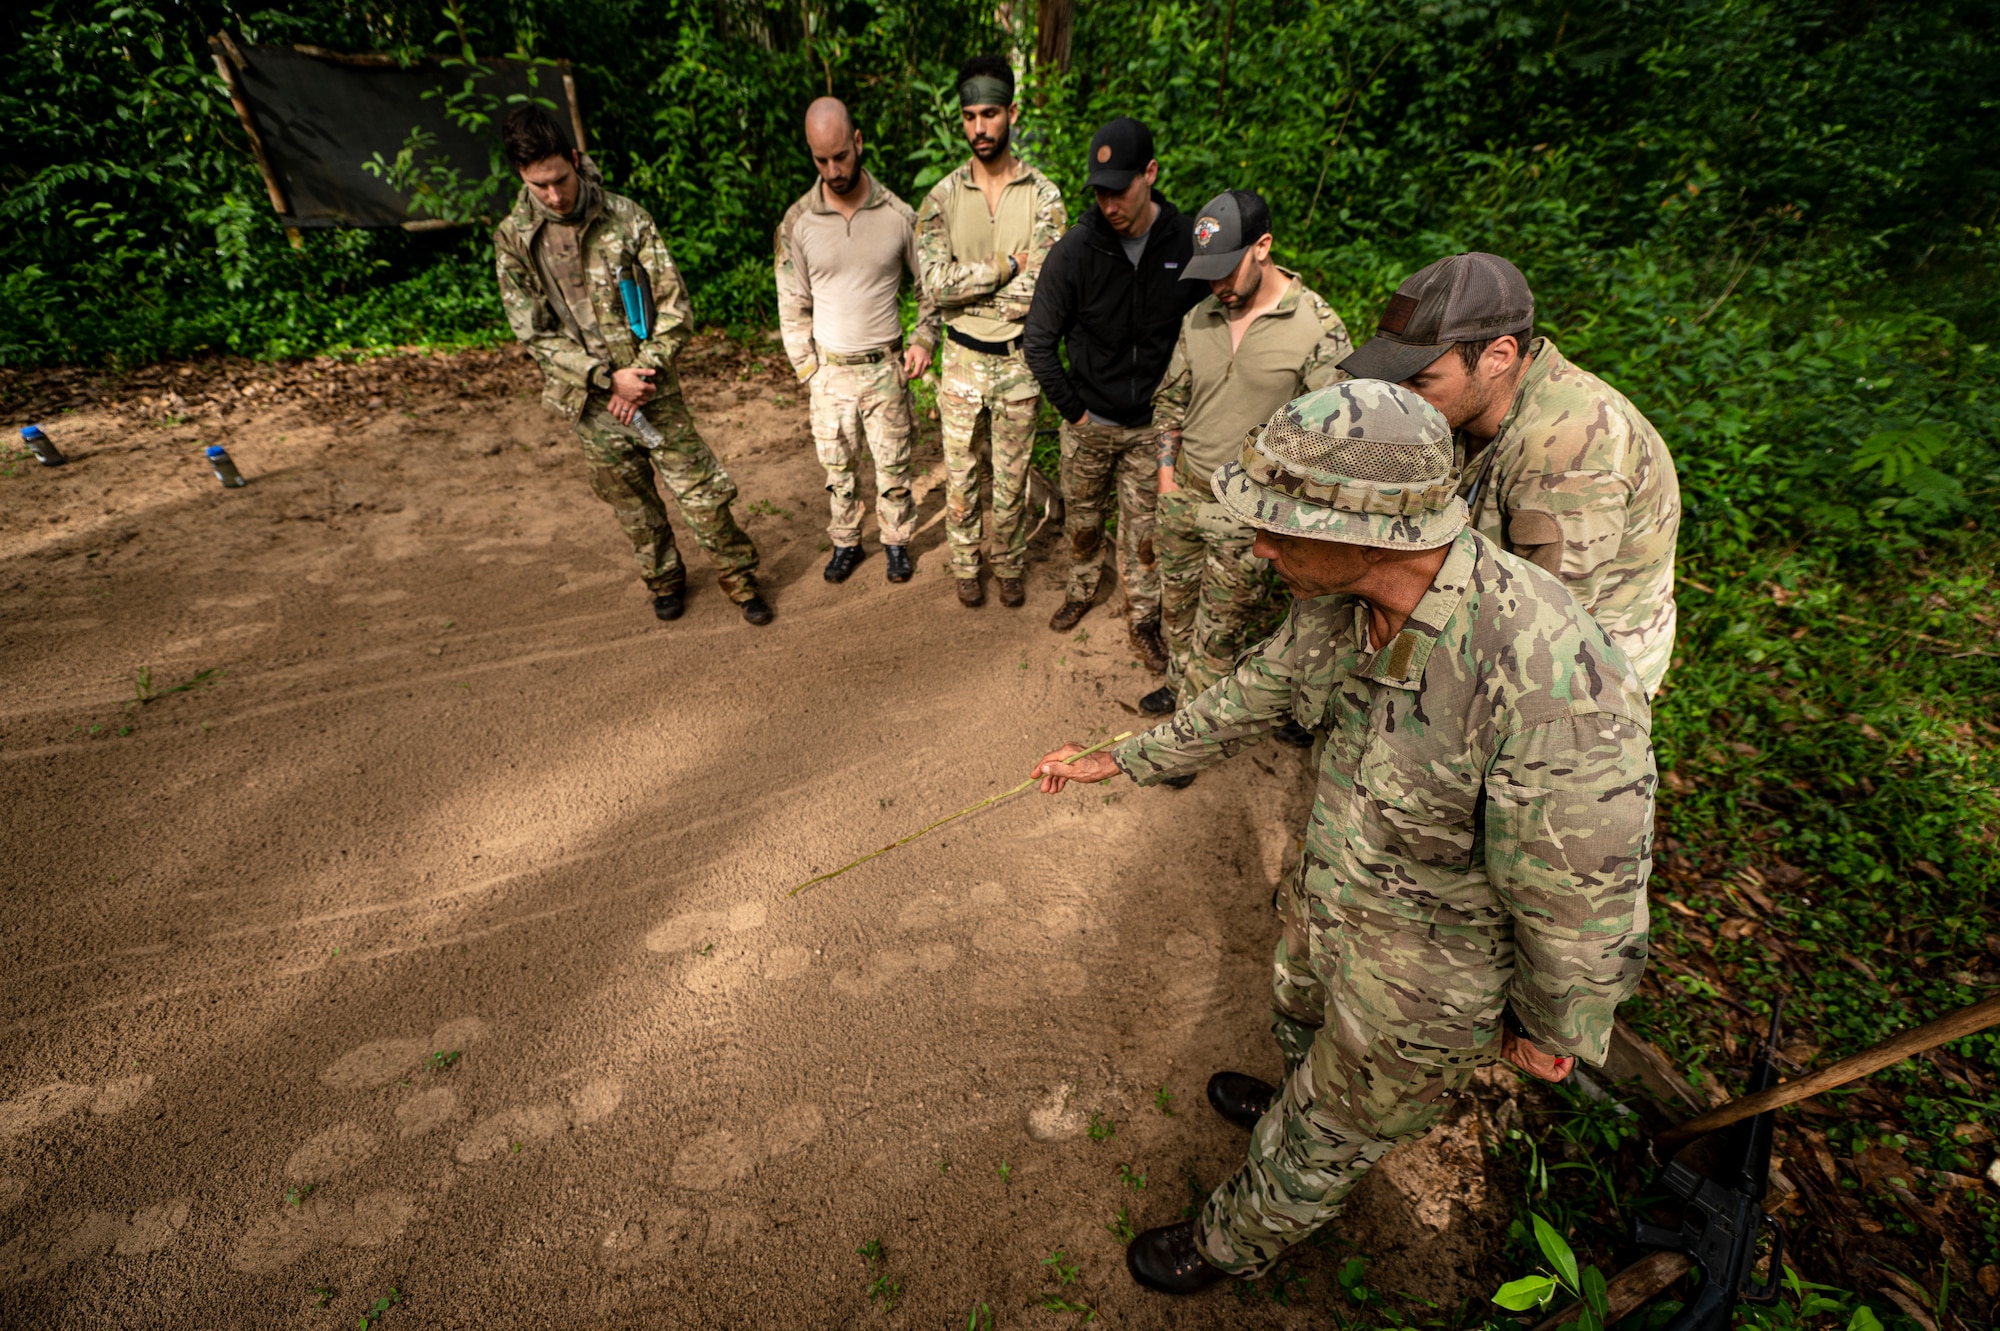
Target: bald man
[{"x": 842, "y": 250}]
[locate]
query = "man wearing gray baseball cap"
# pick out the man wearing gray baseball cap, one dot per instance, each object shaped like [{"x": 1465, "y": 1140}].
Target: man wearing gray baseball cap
[
  {"x": 1557, "y": 465},
  {"x": 1473, "y": 885}
]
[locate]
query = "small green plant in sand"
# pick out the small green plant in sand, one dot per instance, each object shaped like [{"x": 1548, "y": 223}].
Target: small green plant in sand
[
  {"x": 1101, "y": 1129},
  {"x": 322, "y": 1295},
  {"x": 981, "y": 1318},
  {"x": 1136, "y": 1182},
  {"x": 443, "y": 1059},
  {"x": 881, "y": 1289},
  {"x": 295, "y": 1197},
  {"x": 765, "y": 508},
  {"x": 1066, "y": 1272},
  {"x": 1163, "y": 1100},
  {"x": 1005, "y": 1171},
  {"x": 1120, "y": 1227},
  {"x": 144, "y": 690},
  {"x": 380, "y": 1306}
]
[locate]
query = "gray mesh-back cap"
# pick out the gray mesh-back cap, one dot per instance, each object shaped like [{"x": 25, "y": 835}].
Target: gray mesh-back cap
[
  {"x": 1363, "y": 462},
  {"x": 1465, "y": 298}
]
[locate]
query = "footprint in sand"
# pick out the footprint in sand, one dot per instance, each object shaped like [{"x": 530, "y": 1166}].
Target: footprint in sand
[
  {"x": 1024, "y": 943},
  {"x": 721, "y": 962},
  {"x": 45, "y": 1104},
  {"x": 46, "y": 1249},
  {"x": 885, "y": 967},
  {"x": 715, "y": 1160},
  {"x": 325, "y": 1218}
]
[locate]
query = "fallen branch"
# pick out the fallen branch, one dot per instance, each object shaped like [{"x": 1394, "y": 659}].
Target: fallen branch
[
  {"x": 970, "y": 808},
  {"x": 1627, "y": 1292}
]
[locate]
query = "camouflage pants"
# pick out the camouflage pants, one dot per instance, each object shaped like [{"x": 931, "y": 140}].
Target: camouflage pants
[
  {"x": 856, "y": 403},
  {"x": 1298, "y": 997},
  {"x": 622, "y": 469},
  {"x": 986, "y": 405},
  {"x": 1208, "y": 588},
  {"x": 1355, "y": 1095},
  {"x": 1094, "y": 458}
]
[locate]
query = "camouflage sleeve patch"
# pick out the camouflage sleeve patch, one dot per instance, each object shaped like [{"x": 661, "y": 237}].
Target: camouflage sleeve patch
[
  {"x": 1322, "y": 366},
  {"x": 1569, "y": 834},
  {"x": 1170, "y": 402},
  {"x": 795, "y": 302}
]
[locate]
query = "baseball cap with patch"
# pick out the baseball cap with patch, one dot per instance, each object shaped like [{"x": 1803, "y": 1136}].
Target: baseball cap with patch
[
  {"x": 1227, "y": 225},
  {"x": 1465, "y": 298},
  {"x": 1119, "y": 151},
  {"x": 1361, "y": 462}
]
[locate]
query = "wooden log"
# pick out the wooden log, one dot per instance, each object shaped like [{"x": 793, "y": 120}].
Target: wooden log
[{"x": 1920, "y": 1039}]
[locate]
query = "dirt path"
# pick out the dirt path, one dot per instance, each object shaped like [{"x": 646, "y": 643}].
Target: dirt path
[{"x": 454, "y": 792}]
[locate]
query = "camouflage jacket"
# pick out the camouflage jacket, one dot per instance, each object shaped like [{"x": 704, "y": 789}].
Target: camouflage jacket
[
  {"x": 616, "y": 233},
  {"x": 974, "y": 289},
  {"x": 860, "y": 270},
  {"x": 1482, "y": 830},
  {"x": 1583, "y": 485}
]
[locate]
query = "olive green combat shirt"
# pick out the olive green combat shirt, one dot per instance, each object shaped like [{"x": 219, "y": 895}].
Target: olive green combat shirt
[
  {"x": 578, "y": 339},
  {"x": 1214, "y": 394},
  {"x": 1582, "y": 484},
  {"x": 1482, "y": 830},
  {"x": 963, "y": 247}
]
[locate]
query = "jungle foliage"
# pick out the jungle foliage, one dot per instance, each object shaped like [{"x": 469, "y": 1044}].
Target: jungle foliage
[{"x": 1769, "y": 222}]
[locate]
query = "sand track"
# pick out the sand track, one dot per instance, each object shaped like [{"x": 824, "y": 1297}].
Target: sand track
[{"x": 454, "y": 791}]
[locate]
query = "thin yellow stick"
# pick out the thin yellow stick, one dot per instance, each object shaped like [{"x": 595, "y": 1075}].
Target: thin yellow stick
[{"x": 970, "y": 808}]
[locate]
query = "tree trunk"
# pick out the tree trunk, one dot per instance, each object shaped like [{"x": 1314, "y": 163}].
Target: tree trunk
[{"x": 1055, "y": 20}]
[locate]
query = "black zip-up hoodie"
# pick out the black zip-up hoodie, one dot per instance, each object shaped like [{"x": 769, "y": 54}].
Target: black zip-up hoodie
[{"x": 1120, "y": 322}]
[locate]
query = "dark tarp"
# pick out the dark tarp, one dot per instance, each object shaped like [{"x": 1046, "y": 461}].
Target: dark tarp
[{"x": 317, "y": 117}]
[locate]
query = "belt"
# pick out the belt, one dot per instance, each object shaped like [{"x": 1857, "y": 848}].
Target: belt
[
  {"x": 857, "y": 357},
  {"x": 971, "y": 343}
]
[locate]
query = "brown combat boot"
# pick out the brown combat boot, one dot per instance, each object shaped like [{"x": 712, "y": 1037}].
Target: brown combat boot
[
  {"x": 1146, "y": 642},
  {"x": 970, "y": 593},
  {"x": 1067, "y": 614},
  {"x": 1013, "y": 592}
]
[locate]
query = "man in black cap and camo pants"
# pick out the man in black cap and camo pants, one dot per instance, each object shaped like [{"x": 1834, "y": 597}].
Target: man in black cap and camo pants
[{"x": 1110, "y": 294}]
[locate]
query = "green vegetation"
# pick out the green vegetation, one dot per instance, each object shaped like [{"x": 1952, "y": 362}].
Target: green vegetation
[
  {"x": 1101, "y": 1129},
  {"x": 380, "y": 1306},
  {"x": 881, "y": 1289},
  {"x": 443, "y": 1059}
]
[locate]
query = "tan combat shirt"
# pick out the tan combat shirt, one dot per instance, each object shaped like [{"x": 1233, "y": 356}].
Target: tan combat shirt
[
  {"x": 1583, "y": 485},
  {"x": 964, "y": 246},
  {"x": 1213, "y": 395},
  {"x": 838, "y": 277}
]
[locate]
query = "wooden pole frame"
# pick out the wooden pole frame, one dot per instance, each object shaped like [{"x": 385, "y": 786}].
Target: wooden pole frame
[{"x": 228, "y": 60}]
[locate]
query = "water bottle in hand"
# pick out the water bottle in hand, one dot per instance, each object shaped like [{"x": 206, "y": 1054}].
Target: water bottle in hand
[{"x": 225, "y": 470}]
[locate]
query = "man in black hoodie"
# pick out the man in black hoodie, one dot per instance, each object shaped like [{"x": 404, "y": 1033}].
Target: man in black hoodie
[{"x": 1111, "y": 291}]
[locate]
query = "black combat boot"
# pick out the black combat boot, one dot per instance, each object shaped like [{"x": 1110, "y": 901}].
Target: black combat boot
[
  {"x": 1178, "y": 782},
  {"x": 1159, "y": 702},
  {"x": 899, "y": 562},
  {"x": 756, "y": 611},
  {"x": 1240, "y": 1098},
  {"x": 668, "y": 605},
  {"x": 1168, "y": 1260},
  {"x": 846, "y": 558}
]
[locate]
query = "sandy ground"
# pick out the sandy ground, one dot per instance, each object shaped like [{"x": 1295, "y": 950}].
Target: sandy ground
[{"x": 453, "y": 791}]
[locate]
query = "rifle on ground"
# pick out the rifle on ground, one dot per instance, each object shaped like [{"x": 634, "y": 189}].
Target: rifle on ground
[{"x": 1723, "y": 1217}]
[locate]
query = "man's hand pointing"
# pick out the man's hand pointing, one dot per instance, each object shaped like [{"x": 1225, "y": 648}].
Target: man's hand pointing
[{"x": 1056, "y": 770}]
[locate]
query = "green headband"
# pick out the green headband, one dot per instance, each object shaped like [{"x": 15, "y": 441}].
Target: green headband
[{"x": 985, "y": 90}]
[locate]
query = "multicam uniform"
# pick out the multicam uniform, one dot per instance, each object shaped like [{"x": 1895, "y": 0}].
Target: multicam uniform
[
  {"x": 1212, "y": 395},
  {"x": 837, "y": 312},
  {"x": 1480, "y": 840},
  {"x": 559, "y": 287},
  {"x": 1582, "y": 484},
  {"x": 986, "y": 396}
]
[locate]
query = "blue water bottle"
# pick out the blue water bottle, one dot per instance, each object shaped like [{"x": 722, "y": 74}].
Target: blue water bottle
[
  {"x": 225, "y": 470},
  {"x": 43, "y": 447}
]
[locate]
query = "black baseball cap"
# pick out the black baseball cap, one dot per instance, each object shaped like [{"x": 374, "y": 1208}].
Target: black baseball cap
[
  {"x": 1227, "y": 225},
  {"x": 1119, "y": 151},
  {"x": 1468, "y": 297}
]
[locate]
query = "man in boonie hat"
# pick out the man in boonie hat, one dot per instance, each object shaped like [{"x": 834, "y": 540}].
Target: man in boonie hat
[{"x": 1473, "y": 885}]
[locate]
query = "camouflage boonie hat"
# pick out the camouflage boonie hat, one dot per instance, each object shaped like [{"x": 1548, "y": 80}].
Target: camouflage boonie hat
[{"x": 1361, "y": 461}]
